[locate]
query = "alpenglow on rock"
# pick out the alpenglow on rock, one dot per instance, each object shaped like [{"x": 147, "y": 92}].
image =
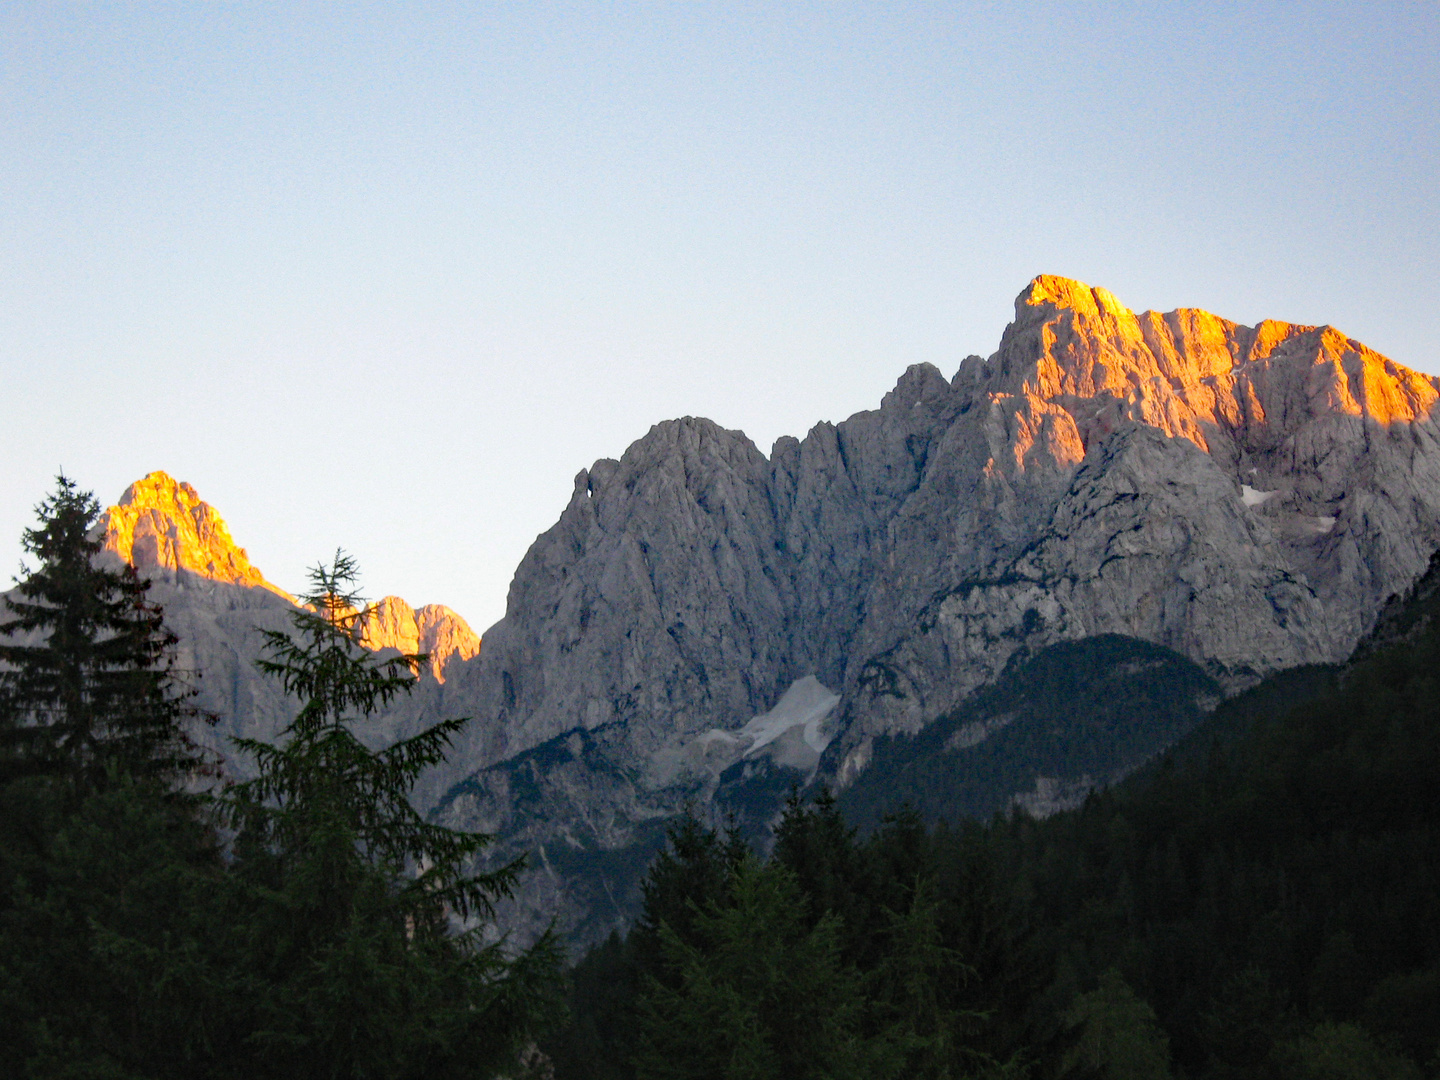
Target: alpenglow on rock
[
  {"x": 161, "y": 524},
  {"x": 217, "y": 603},
  {"x": 1245, "y": 496},
  {"x": 434, "y": 630}
]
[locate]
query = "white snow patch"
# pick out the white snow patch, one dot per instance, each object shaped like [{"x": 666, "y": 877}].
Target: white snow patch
[
  {"x": 806, "y": 705},
  {"x": 1251, "y": 497},
  {"x": 792, "y": 734},
  {"x": 1324, "y": 524}
]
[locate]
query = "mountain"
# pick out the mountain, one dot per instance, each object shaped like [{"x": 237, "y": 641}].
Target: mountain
[
  {"x": 216, "y": 602},
  {"x": 1259, "y": 902},
  {"x": 1245, "y": 497},
  {"x": 705, "y": 624}
]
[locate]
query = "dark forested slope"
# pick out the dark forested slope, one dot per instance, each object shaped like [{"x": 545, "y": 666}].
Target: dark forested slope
[
  {"x": 1072, "y": 717},
  {"x": 1261, "y": 902},
  {"x": 1280, "y": 869}
]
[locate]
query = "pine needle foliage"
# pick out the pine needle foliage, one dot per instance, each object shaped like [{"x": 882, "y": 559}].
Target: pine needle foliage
[
  {"x": 359, "y": 894},
  {"x": 321, "y": 781},
  {"x": 89, "y": 686}
]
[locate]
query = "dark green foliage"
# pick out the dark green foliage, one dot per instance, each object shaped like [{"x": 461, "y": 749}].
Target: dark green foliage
[
  {"x": 754, "y": 992},
  {"x": 112, "y": 892},
  {"x": 325, "y": 943},
  {"x": 898, "y": 956},
  {"x": 1119, "y": 1036},
  {"x": 1281, "y": 871},
  {"x": 88, "y": 683},
  {"x": 1339, "y": 1052},
  {"x": 112, "y": 914},
  {"x": 355, "y": 892},
  {"x": 696, "y": 870},
  {"x": 1084, "y": 711},
  {"x": 1260, "y": 903},
  {"x": 599, "y": 1040}
]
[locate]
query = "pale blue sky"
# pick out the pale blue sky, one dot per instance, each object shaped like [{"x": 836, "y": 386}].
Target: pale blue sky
[{"x": 388, "y": 275}]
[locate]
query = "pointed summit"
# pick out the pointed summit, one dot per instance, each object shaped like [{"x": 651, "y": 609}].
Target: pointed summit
[{"x": 162, "y": 523}]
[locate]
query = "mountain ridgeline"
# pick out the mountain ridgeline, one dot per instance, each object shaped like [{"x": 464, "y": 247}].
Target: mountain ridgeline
[{"x": 1160, "y": 508}]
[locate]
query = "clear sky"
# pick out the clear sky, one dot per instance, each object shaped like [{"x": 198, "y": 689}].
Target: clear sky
[{"x": 387, "y": 276}]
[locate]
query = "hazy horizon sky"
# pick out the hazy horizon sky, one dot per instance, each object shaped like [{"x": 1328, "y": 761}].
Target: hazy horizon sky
[{"x": 387, "y": 276}]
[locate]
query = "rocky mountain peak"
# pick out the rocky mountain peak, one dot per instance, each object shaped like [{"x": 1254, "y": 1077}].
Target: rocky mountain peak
[
  {"x": 162, "y": 523},
  {"x": 435, "y": 630},
  {"x": 1226, "y": 387},
  {"x": 705, "y": 624},
  {"x": 1071, "y": 339}
]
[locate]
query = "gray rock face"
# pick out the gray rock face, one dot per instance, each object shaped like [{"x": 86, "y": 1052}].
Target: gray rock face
[
  {"x": 218, "y": 605},
  {"x": 1245, "y": 496},
  {"x": 660, "y": 592}
]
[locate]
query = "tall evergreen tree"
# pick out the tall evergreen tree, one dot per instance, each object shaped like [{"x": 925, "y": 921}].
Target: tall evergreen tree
[
  {"x": 757, "y": 994},
  {"x": 368, "y": 975},
  {"x": 89, "y": 684},
  {"x": 109, "y": 876}
]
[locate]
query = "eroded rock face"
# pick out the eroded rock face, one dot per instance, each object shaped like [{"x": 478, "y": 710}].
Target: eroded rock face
[
  {"x": 1245, "y": 496},
  {"x": 433, "y": 630},
  {"x": 1088, "y": 478},
  {"x": 162, "y": 524},
  {"x": 1094, "y": 480}
]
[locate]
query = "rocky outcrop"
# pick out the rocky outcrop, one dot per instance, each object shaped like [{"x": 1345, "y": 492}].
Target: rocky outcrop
[
  {"x": 1245, "y": 496},
  {"x": 218, "y": 604},
  {"x": 433, "y": 630},
  {"x": 161, "y": 524}
]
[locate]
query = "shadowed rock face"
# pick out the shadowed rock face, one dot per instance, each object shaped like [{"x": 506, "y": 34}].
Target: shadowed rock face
[{"x": 1245, "y": 496}]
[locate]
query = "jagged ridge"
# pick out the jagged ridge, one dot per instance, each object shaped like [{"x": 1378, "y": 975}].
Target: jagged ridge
[{"x": 1247, "y": 497}]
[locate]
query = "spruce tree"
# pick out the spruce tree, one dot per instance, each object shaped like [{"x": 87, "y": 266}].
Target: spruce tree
[
  {"x": 758, "y": 993},
  {"x": 368, "y": 972},
  {"x": 89, "y": 685},
  {"x": 110, "y": 878}
]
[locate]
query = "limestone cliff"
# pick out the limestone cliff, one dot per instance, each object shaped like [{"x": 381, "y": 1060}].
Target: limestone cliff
[
  {"x": 161, "y": 524},
  {"x": 434, "y": 630},
  {"x": 1245, "y": 496}
]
